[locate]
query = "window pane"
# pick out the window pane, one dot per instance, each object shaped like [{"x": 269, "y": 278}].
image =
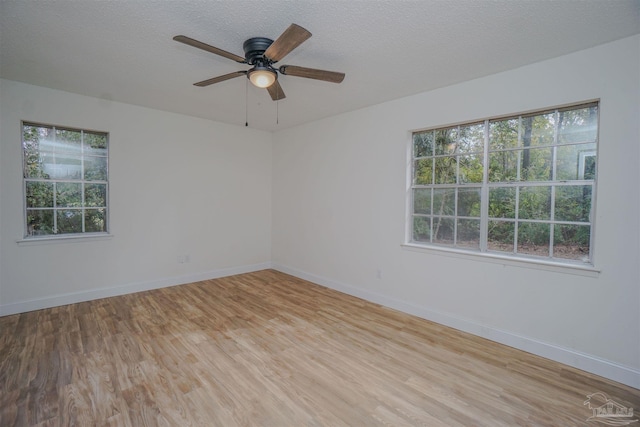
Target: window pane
[
  {"x": 39, "y": 165},
  {"x": 421, "y": 229},
  {"x": 443, "y": 231},
  {"x": 446, "y": 141},
  {"x": 536, "y": 164},
  {"x": 423, "y": 172},
  {"x": 33, "y": 134},
  {"x": 575, "y": 162},
  {"x": 579, "y": 125},
  {"x": 68, "y": 141},
  {"x": 422, "y": 201},
  {"x": 39, "y": 222},
  {"x": 534, "y": 203},
  {"x": 571, "y": 241},
  {"x": 63, "y": 166},
  {"x": 48, "y": 144},
  {"x": 33, "y": 161},
  {"x": 471, "y": 138},
  {"x": 95, "y": 220},
  {"x": 68, "y": 194},
  {"x": 501, "y": 234},
  {"x": 445, "y": 170},
  {"x": 538, "y": 130},
  {"x": 471, "y": 168},
  {"x": 95, "y": 143},
  {"x": 69, "y": 221},
  {"x": 39, "y": 194},
  {"x": 95, "y": 195},
  {"x": 444, "y": 201},
  {"x": 587, "y": 168},
  {"x": 469, "y": 202},
  {"x": 423, "y": 144},
  {"x": 533, "y": 238},
  {"x": 503, "y": 166},
  {"x": 468, "y": 233},
  {"x": 502, "y": 202},
  {"x": 95, "y": 168},
  {"x": 573, "y": 203},
  {"x": 503, "y": 134}
]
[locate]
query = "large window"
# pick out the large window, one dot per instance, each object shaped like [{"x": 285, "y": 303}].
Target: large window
[
  {"x": 65, "y": 180},
  {"x": 521, "y": 185}
]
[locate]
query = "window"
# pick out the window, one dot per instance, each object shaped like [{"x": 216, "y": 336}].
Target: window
[
  {"x": 521, "y": 185},
  {"x": 65, "y": 180}
]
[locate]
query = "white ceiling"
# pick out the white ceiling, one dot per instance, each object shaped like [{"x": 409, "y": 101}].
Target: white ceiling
[{"x": 123, "y": 50}]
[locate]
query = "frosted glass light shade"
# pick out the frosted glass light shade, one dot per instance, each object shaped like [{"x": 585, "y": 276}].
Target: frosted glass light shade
[{"x": 262, "y": 78}]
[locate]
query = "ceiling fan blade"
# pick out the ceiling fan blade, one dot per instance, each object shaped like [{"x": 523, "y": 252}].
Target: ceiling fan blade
[
  {"x": 289, "y": 40},
  {"x": 275, "y": 90},
  {"x": 220, "y": 78},
  {"x": 312, "y": 73},
  {"x": 208, "y": 48}
]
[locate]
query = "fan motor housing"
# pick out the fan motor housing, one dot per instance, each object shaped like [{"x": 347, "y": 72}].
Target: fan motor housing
[{"x": 254, "y": 48}]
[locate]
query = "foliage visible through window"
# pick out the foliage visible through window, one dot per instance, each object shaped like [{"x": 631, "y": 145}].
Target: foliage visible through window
[
  {"x": 65, "y": 180},
  {"x": 520, "y": 185}
]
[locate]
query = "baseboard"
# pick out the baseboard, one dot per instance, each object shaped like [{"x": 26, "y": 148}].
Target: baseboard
[
  {"x": 75, "y": 297},
  {"x": 585, "y": 362}
]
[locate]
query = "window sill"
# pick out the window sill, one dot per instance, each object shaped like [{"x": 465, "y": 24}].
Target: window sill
[
  {"x": 75, "y": 238},
  {"x": 586, "y": 270}
]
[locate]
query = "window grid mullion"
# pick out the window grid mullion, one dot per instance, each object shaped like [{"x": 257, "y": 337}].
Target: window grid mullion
[
  {"x": 82, "y": 201},
  {"x": 516, "y": 221},
  {"x": 456, "y": 154},
  {"x": 55, "y": 184},
  {"x": 455, "y": 216},
  {"x": 552, "y": 208},
  {"x": 433, "y": 192},
  {"x": 518, "y": 183},
  {"x": 433, "y": 181},
  {"x": 484, "y": 192}
]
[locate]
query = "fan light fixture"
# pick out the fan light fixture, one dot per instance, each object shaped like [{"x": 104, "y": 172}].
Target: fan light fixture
[
  {"x": 262, "y": 77},
  {"x": 261, "y": 53}
]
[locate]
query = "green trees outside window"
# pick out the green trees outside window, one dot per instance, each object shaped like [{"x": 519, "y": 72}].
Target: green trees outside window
[
  {"x": 521, "y": 185},
  {"x": 65, "y": 180}
]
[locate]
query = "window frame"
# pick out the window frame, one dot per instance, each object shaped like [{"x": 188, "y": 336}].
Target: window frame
[
  {"x": 553, "y": 183},
  {"x": 84, "y": 156}
]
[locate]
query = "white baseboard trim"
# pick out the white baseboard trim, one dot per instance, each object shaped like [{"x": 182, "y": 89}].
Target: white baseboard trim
[
  {"x": 585, "y": 362},
  {"x": 75, "y": 297}
]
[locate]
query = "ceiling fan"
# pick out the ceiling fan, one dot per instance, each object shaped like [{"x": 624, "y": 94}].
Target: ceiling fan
[{"x": 262, "y": 53}]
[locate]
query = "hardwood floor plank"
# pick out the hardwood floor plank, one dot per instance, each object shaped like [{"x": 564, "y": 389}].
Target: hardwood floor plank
[{"x": 269, "y": 349}]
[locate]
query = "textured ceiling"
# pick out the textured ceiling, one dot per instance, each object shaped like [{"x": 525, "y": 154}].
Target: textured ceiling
[{"x": 123, "y": 50}]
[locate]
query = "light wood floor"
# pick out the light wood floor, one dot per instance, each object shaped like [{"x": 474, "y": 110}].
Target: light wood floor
[{"x": 267, "y": 349}]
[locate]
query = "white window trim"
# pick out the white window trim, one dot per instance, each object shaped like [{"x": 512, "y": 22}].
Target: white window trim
[
  {"x": 64, "y": 238},
  {"x": 586, "y": 270}
]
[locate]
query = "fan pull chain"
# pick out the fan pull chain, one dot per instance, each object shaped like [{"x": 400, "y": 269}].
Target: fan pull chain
[
  {"x": 278, "y": 105},
  {"x": 246, "y": 104}
]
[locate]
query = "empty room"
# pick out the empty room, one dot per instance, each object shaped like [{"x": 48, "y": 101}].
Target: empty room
[{"x": 319, "y": 213}]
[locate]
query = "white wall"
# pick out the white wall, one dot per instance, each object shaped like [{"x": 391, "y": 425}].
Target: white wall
[
  {"x": 339, "y": 190},
  {"x": 179, "y": 186}
]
